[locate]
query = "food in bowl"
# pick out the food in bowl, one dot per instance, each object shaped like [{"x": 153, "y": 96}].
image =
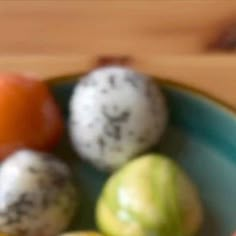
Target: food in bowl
[
  {"x": 115, "y": 114},
  {"x": 149, "y": 196},
  {"x": 29, "y": 115},
  {"x": 37, "y": 195}
]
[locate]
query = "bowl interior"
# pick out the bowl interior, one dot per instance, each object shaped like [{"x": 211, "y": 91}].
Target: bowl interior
[{"x": 201, "y": 137}]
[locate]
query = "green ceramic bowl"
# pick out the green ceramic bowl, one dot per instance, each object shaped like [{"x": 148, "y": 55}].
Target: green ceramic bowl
[{"x": 201, "y": 136}]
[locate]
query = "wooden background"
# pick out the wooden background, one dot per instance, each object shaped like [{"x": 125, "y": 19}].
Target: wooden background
[{"x": 190, "y": 41}]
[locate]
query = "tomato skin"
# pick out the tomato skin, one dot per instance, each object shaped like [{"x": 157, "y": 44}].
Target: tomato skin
[{"x": 29, "y": 115}]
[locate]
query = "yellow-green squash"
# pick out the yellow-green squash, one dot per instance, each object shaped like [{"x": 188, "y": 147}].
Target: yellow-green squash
[{"x": 150, "y": 196}]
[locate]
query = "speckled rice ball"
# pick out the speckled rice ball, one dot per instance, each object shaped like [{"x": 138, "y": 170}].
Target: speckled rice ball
[
  {"x": 115, "y": 114},
  {"x": 37, "y": 197}
]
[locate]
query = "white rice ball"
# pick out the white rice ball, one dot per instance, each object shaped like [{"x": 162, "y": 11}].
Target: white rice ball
[
  {"x": 115, "y": 114},
  {"x": 37, "y": 197}
]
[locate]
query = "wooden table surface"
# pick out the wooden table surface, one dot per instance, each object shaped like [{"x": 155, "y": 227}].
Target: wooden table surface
[{"x": 188, "y": 41}]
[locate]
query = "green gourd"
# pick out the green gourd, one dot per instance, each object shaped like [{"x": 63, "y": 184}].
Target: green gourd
[{"x": 150, "y": 196}]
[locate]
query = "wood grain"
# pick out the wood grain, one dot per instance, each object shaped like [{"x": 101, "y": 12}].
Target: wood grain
[
  {"x": 166, "y": 38},
  {"x": 214, "y": 74},
  {"x": 112, "y": 27}
]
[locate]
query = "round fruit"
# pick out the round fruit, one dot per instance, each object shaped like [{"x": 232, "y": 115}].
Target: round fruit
[
  {"x": 37, "y": 195},
  {"x": 149, "y": 196},
  {"x": 115, "y": 114},
  {"x": 29, "y": 116}
]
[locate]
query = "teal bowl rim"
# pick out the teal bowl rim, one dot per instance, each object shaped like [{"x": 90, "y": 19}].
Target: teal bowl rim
[{"x": 203, "y": 95}]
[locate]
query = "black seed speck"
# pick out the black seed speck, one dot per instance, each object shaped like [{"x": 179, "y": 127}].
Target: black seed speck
[
  {"x": 45, "y": 202},
  {"x": 19, "y": 208},
  {"x": 122, "y": 117},
  {"x": 24, "y": 200},
  {"x": 112, "y": 81},
  {"x": 13, "y": 218},
  {"x": 117, "y": 132},
  {"x": 22, "y": 211},
  {"x": 58, "y": 181},
  {"x": 113, "y": 131},
  {"x": 132, "y": 81},
  {"x": 108, "y": 130},
  {"x": 32, "y": 170},
  {"x": 141, "y": 140},
  {"x": 101, "y": 143}
]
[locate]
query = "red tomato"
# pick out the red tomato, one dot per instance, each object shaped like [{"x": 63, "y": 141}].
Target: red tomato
[{"x": 29, "y": 116}]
